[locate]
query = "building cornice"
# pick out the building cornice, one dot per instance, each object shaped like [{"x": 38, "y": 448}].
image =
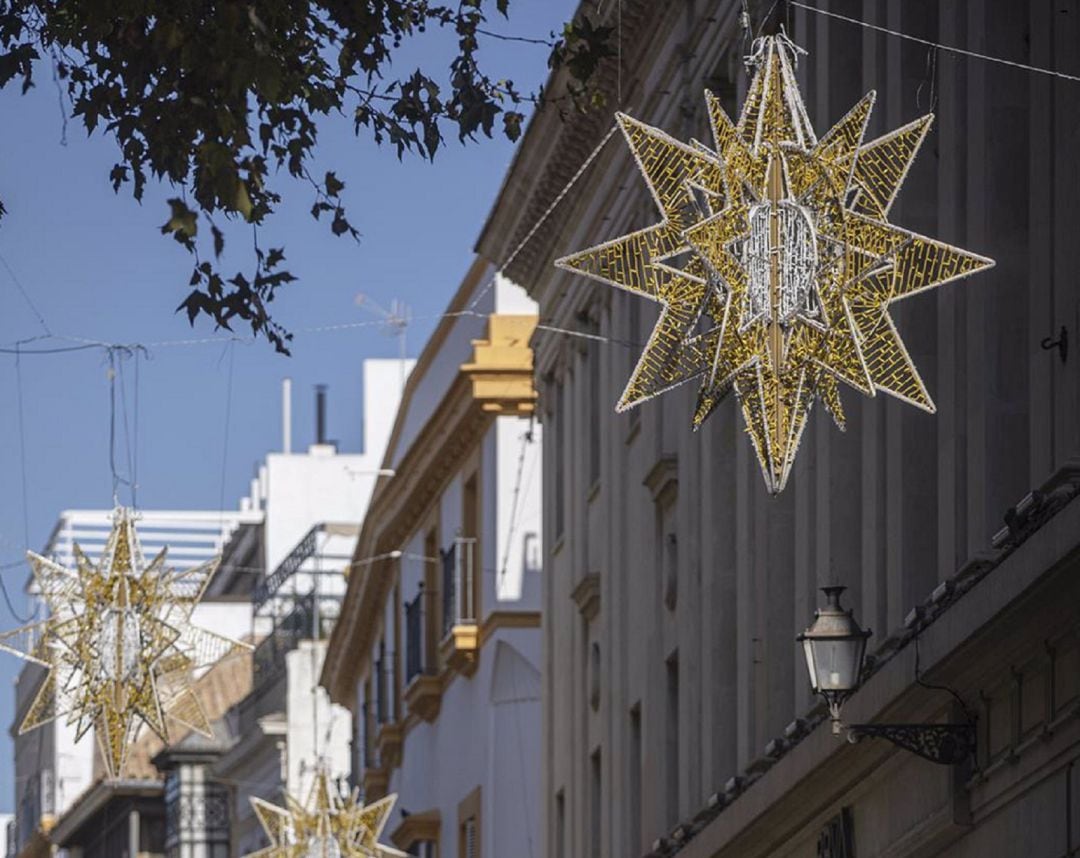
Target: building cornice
[{"x": 555, "y": 145}]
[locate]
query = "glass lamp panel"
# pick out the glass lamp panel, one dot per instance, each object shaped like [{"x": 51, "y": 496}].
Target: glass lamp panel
[
  {"x": 837, "y": 663},
  {"x": 808, "y": 651}
]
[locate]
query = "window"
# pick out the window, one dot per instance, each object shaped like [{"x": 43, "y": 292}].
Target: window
[
  {"x": 558, "y": 461},
  {"x": 425, "y": 849},
  {"x": 414, "y": 636},
  {"x": 196, "y": 816},
  {"x": 671, "y": 570},
  {"x": 595, "y": 805},
  {"x": 469, "y": 560},
  {"x": 560, "y": 823},
  {"x": 368, "y": 717},
  {"x": 637, "y": 341},
  {"x": 469, "y": 845},
  {"x": 596, "y": 397},
  {"x": 432, "y": 621},
  {"x": 594, "y": 676},
  {"x": 671, "y": 740},
  {"x": 635, "y": 779},
  {"x": 469, "y": 826},
  {"x": 381, "y": 708}
]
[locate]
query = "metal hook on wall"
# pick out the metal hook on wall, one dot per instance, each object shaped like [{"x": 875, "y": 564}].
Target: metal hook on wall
[{"x": 1061, "y": 344}]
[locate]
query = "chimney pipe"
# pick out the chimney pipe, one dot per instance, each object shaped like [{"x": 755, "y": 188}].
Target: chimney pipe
[
  {"x": 320, "y": 413},
  {"x": 286, "y": 415}
]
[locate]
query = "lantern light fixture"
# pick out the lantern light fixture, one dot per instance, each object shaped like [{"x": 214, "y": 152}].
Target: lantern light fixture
[{"x": 835, "y": 650}]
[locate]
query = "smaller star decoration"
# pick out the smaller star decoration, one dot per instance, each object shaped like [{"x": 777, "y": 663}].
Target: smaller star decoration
[
  {"x": 118, "y": 645},
  {"x": 328, "y": 826},
  {"x": 774, "y": 263}
]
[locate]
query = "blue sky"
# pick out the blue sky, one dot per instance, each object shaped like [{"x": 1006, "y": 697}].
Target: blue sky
[{"x": 95, "y": 265}]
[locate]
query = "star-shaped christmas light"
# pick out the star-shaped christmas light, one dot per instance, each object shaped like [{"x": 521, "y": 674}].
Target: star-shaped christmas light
[
  {"x": 775, "y": 263},
  {"x": 328, "y": 826},
  {"x": 118, "y": 644}
]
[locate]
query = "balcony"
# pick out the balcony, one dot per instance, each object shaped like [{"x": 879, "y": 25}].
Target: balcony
[{"x": 461, "y": 634}]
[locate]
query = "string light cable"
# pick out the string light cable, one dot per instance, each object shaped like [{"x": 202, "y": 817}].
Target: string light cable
[{"x": 990, "y": 58}]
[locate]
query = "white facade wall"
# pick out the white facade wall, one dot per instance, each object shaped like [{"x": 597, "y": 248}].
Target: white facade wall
[
  {"x": 317, "y": 731},
  {"x": 487, "y": 732}
]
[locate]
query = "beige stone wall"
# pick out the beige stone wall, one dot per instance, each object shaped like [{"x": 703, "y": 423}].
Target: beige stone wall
[{"x": 675, "y": 586}]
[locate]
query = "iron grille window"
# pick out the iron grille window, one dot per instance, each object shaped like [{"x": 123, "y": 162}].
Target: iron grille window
[
  {"x": 469, "y": 838},
  {"x": 414, "y": 637},
  {"x": 196, "y": 817}
]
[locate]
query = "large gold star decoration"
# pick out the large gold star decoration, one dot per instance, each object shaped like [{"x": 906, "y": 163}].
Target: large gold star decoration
[
  {"x": 326, "y": 827},
  {"x": 118, "y": 644},
  {"x": 774, "y": 263}
]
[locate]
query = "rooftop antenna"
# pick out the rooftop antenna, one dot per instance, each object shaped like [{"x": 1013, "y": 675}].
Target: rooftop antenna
[{"x": 395, "y": 322}]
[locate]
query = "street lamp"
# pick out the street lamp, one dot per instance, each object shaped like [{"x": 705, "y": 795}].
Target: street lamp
[{"x": 835, "y": 647}]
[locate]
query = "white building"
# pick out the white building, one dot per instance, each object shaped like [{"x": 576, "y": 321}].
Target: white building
[
  {"x": 311, "y": 505},
  {"x": 437, "y": 650},
  {"x": 7, "y": 835}
]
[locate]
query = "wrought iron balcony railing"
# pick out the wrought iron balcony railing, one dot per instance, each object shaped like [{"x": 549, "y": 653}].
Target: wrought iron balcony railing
[
  {"x": 297, "y": 625},
  {"x": 267, "y": 588}
]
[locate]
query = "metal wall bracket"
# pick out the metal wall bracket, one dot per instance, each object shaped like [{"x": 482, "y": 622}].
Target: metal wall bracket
[
  {"x": 945, "y": 744},
  {"x": 1061, "y": 344}
]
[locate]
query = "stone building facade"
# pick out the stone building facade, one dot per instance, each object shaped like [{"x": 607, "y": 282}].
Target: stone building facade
[{"x": 678, "y": 717}]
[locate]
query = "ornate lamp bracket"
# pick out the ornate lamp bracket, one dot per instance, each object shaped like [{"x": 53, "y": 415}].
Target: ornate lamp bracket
[{"x": 945, "y": 744}]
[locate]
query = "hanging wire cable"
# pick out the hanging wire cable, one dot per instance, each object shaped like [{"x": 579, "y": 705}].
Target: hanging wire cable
[
  {"x": 26, "y": 296},
  {"x": 19, "y": 618},
  {"x": 228, "y": 416},
  {"x": 526, "y": 441},
  {"x": 950, "y": 48},
  {"x": 127, "y": 430},
  {"x": 115, "y": 355},
  {"x": 135, "y": 441},
  {"x": 547, "y": 213},
  {"x": 22, "y": 446}
]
